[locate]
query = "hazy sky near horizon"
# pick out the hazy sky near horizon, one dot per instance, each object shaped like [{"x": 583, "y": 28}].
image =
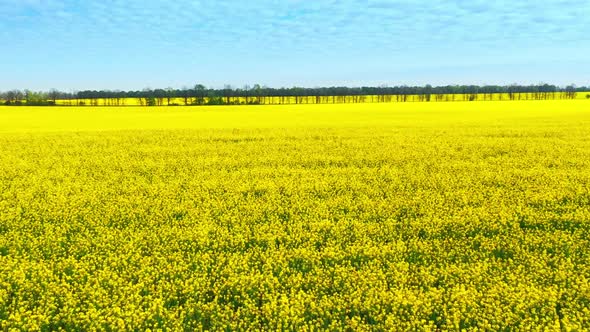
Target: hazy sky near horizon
[{"x": 133, "y": 44}]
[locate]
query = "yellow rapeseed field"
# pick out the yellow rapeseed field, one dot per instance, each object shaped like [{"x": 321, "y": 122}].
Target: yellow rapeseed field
[{"x": 416, "y": 216}]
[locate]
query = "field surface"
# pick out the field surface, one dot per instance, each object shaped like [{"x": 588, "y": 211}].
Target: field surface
[{"x": 418, "y": 216}]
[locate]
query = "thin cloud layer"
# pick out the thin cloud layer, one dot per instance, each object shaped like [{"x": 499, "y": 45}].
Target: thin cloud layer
[{"x": 260, "y": 40}]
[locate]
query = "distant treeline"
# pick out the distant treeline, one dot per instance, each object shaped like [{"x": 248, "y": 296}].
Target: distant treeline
[{"x": 256, "y": 94}]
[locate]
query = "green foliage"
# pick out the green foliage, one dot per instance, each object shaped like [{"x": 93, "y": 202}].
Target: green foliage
[{"x": 214, "y": 100}]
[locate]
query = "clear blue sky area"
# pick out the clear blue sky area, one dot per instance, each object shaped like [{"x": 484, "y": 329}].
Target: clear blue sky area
[{"x": 134, "y": 44}]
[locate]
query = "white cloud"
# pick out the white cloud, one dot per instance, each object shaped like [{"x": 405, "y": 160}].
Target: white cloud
[{"x": 393, "y": 33}]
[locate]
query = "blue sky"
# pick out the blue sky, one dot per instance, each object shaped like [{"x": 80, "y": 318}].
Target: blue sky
[{"x": 133, "y": 44}]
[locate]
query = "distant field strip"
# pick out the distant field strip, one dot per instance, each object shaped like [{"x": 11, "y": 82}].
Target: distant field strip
[
  {"x": 401, "y": 216},
  {"x": 56, "y": 119}
]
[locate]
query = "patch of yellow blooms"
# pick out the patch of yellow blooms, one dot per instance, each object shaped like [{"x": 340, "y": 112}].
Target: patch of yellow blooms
[{"x": 448, "y": 216}]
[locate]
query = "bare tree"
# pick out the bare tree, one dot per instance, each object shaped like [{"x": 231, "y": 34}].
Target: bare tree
[
  {"x": 227, "y": 93},
  {"x": 169, "y": 95},
  {"x": 53, "y": 95},
  {"x": 17, "y": 96},
  {"x": 200, "y": 92},
  {"x": 186, "y": 94}
]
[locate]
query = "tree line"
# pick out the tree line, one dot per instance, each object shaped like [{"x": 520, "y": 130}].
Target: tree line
[{"x": 256, "y": 94}]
